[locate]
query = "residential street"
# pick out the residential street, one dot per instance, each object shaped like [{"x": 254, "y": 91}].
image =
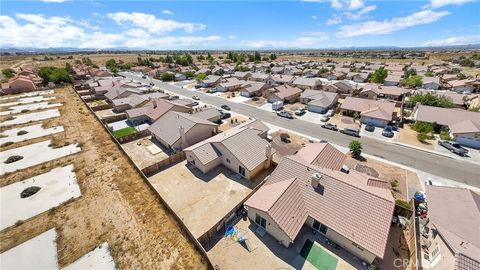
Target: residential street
[{"x": 454, "y": 169}]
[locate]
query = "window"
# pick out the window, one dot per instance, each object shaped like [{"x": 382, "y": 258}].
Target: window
[
  {"x": 260, "y": 221},
  {"x": 241, "y": 170},
  {"x": 435, "y": 252},
  {"x": 323, "y": 229},
  {"x": 316, "y": 225},
  {"x": 228, "y": 160}
]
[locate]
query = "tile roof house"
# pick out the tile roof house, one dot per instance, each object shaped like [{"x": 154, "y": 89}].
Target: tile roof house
[
  {"x": 153, "y": 110},
  {"x": 377, "y": 91},
  {"x": 243, "y": 149},
  {"x": 252, "y": 88},
  {"x": 210, "y": 80},
  {"x": 211, "y": 114},
  {"x": 259, "y": 77},
  {"x": 19, "y": 84},
  {"x": 285, "y": 93},
  {"x": 372, "y": 112},
  {"x": 309, "y": 189},
  {"x": 281, "y": 79},
  {"x": 177, "y": 131},
  {"x": 454, "y": 219},
  {"x": 457, "y": 99},
  {"x": 392, "y": 80},
  {"x": 464, "y": 125},
  {"x": 242, "y": 75},
  {"x": 341, "y": 87},
  {"x": 318, "y": 101},
  {"x": 431, "y": 82},
  {"x": 460, "y": 86},
  {"x": 307, "y": 83},
  {"x": 230, "y": 84}
]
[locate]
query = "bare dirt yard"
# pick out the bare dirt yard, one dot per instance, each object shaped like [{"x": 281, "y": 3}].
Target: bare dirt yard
[
  {"x": 259, "y": 101},
  {"x": 115, "y": 206},
  {"x": 232, "y": 122},
  {"x": 409, "y": 136}
]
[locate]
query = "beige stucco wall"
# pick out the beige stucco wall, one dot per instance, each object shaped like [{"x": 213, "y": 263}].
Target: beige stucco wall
[
  {"x": 272, "y": 228},
  {"x": 22, "y": 86},
  {"x": 204, "y": 168},
  {"x": 364, "y": 254},
  {"x": 197, "y": 133},
  {"x": 445, "y": 259}
]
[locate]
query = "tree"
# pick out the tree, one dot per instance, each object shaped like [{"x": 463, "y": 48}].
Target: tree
[
  {"x": 379, "y": 75},
  {"x": 8, "y": 73},
  {"x": 284, "y": 137},
  {"x": 53, "y": 74},
  {"x": 189, "y": 74},
  {"x": 430, "y": 100},
  {"x": 68, "y": 67},
  {"x": 273, "y": 56},
  {"x": 201, "y": 76},
  {"x": 356, "y": 148},
  {"x": 412, "y": 81},
  {"x": 167, "y": 77},
  {"x": 409, "y": 72},
  {"x": 258, "y": 56}
]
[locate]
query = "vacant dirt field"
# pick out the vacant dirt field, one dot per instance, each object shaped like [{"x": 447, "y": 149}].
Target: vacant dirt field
[
  {"x": 409, "y": 136},
  {"x": 116, "y": 205}
]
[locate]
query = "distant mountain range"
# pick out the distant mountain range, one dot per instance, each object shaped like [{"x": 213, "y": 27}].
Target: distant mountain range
[{"x": 29, "y": 50}]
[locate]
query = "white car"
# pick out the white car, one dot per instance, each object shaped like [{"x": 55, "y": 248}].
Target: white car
[
  {"x": 195, "y": 98},
  {"x": 324, "y": 118},
  {"x": 330, "y": 113}
]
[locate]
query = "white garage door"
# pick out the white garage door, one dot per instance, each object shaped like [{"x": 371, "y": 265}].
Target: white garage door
[
  {"x": 316, "y": 109},
  {"x": 374, "y": 122}
]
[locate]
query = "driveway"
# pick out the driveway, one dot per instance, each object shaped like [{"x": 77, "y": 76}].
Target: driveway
[{"x": 377, "y": 134}]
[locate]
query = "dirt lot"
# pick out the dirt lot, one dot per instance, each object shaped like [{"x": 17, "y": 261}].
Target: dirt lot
[
  {"x": 231, "y": 122},
  {"x": 292, "y": 107},
  {"x": 284, "y": 149},
  {"x": 201, "y": 200},
  {"x": 259, "y": 102},
  {"x": 409, "y": 136},
  {"x": 116, "y": 204},
  {"x": 386, "y": 172},
  {"x": 140, "y": 155},
  {"x": 230, "y": 94},
  {"x": 343, "y": 121}
]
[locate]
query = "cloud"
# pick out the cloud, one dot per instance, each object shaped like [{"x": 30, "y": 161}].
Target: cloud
[
  {"x": 460, "y": 40},
  {"x": 168, "y": 12},
  {"x": 334, "y": 20},
  {"x": 231, "y": 37},
  {"x": 309, "y": 40},
  {"x": 441, "y": 3},
  {"x": 314, "y": 17},
  {"x": 391, "y": 25},
  {"x": 27, "y": 30},
  {"x": 359, "y": 13},
  {"x": 154, "y": 24}
]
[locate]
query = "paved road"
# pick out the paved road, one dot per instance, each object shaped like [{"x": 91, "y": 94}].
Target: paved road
[{"x": 454, "y": 169}]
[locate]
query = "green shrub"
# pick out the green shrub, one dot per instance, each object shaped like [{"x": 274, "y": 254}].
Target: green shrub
[
  {"x": 422, "y": 137},
  {"x": 284, "y": 137},
  {"x": 423, "y": 127},
  {"x": 356, "y": 148},
  {"x": 403, "y": 203},
  {"x": 255, "y": 99},
  {"x": 444, "y": 135}
]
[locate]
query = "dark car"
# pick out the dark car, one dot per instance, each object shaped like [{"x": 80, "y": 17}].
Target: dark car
[
  {"x": 144, "y": 76},
  {"x": 225, "y": 107},
  {"x": 195, "y": 103},
  {"x": 454, "y": 147},
  {"x": 225, "y": 115},
  {"x": 198, "y": 86},
  {"x": 330, "y": 126},
  {"x": 284, "y": 114},
  {"x": 370, "y": 128},
  {"x": 388, "y": 132},
  {"x": 351, "y": 132}
]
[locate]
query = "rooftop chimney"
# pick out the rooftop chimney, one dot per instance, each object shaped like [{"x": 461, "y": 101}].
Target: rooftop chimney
[
  {"x": 181, "y": 130},
  {"x": 268, "y": 154},
  {"x": 154, "y": 103},
  {"x": 315, "y": 180}
]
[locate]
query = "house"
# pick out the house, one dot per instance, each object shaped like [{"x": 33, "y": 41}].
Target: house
[
  {"x": 211, "y": 114},
  {"x": 281, "y": 79},
  {"x": 341, "y": 87},
  {"x": 431, "y": 83},
  {"x": 119, "y": 92},
  {"x": 218, "y": 71},
  {"x": 336, "y": 75},
  {"x": 285, "y": 93},
  {"x": 177, "y": 131},
  {"x": 454, "y": 223},
  {"x": 19, "y": 84},
  {"x": 180, "y": 77},
  {"x": 206, "y": 71},
  {"x": 242, "y": 75},
  {"x": 357, "y": 77},
  {"x": 210, "y": 81},
  {"x": 260, "y": 77},
  {"x": 311, "y": 73},
  {"x": 230, "y": 84},
  {"x": 372, "y": 112},
  {"x": 392, "y": 80},
  {"x": 243, "y": 149},
  {"x": 130, "y": 102},
  {"x": 473, "y": 101},
  {"x": 464, "y": 125},
  {"x": 309, "y": 189},
  {"x": 462, "y": 86},
  {"x": 153, "y": 110},
  {"x": 457, "y": 99},
  {"x": 252, "y": 88},
  {"x": 377, "y": 91},
  {"x": 307, "y": 83},
  {"x": 277, "y": 70},
  {"x": 318, "y": 101}
]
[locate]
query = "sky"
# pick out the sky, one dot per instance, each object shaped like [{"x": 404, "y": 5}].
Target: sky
[{"x": 250, "y": 25}]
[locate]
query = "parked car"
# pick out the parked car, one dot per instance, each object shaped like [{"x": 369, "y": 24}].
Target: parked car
[
  {"x": 225, "y": 115},
  {"x": 324, "y": 118},
  {"x": 330, "y": 126},
  {"x": 284, "y": 114},
  {"x": 300, "y": 111},
  {"x": 370, "y": 128},
  {"x": 387, "y": 132},
  {"x": 454, "y": 147},
  {"x": 225, "y": 107},
  {"x": 198, "y": 86},
  {"x": 351, "y": 131},
  {"x": 144, "y": 76},
  {"x": 330, "y": 113},
  {"x": 195, "y": 103},
  {"x": 196, "y": 97},
  {"x": 151, "y": 84},
  {"x": 211, "y": 91}
]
